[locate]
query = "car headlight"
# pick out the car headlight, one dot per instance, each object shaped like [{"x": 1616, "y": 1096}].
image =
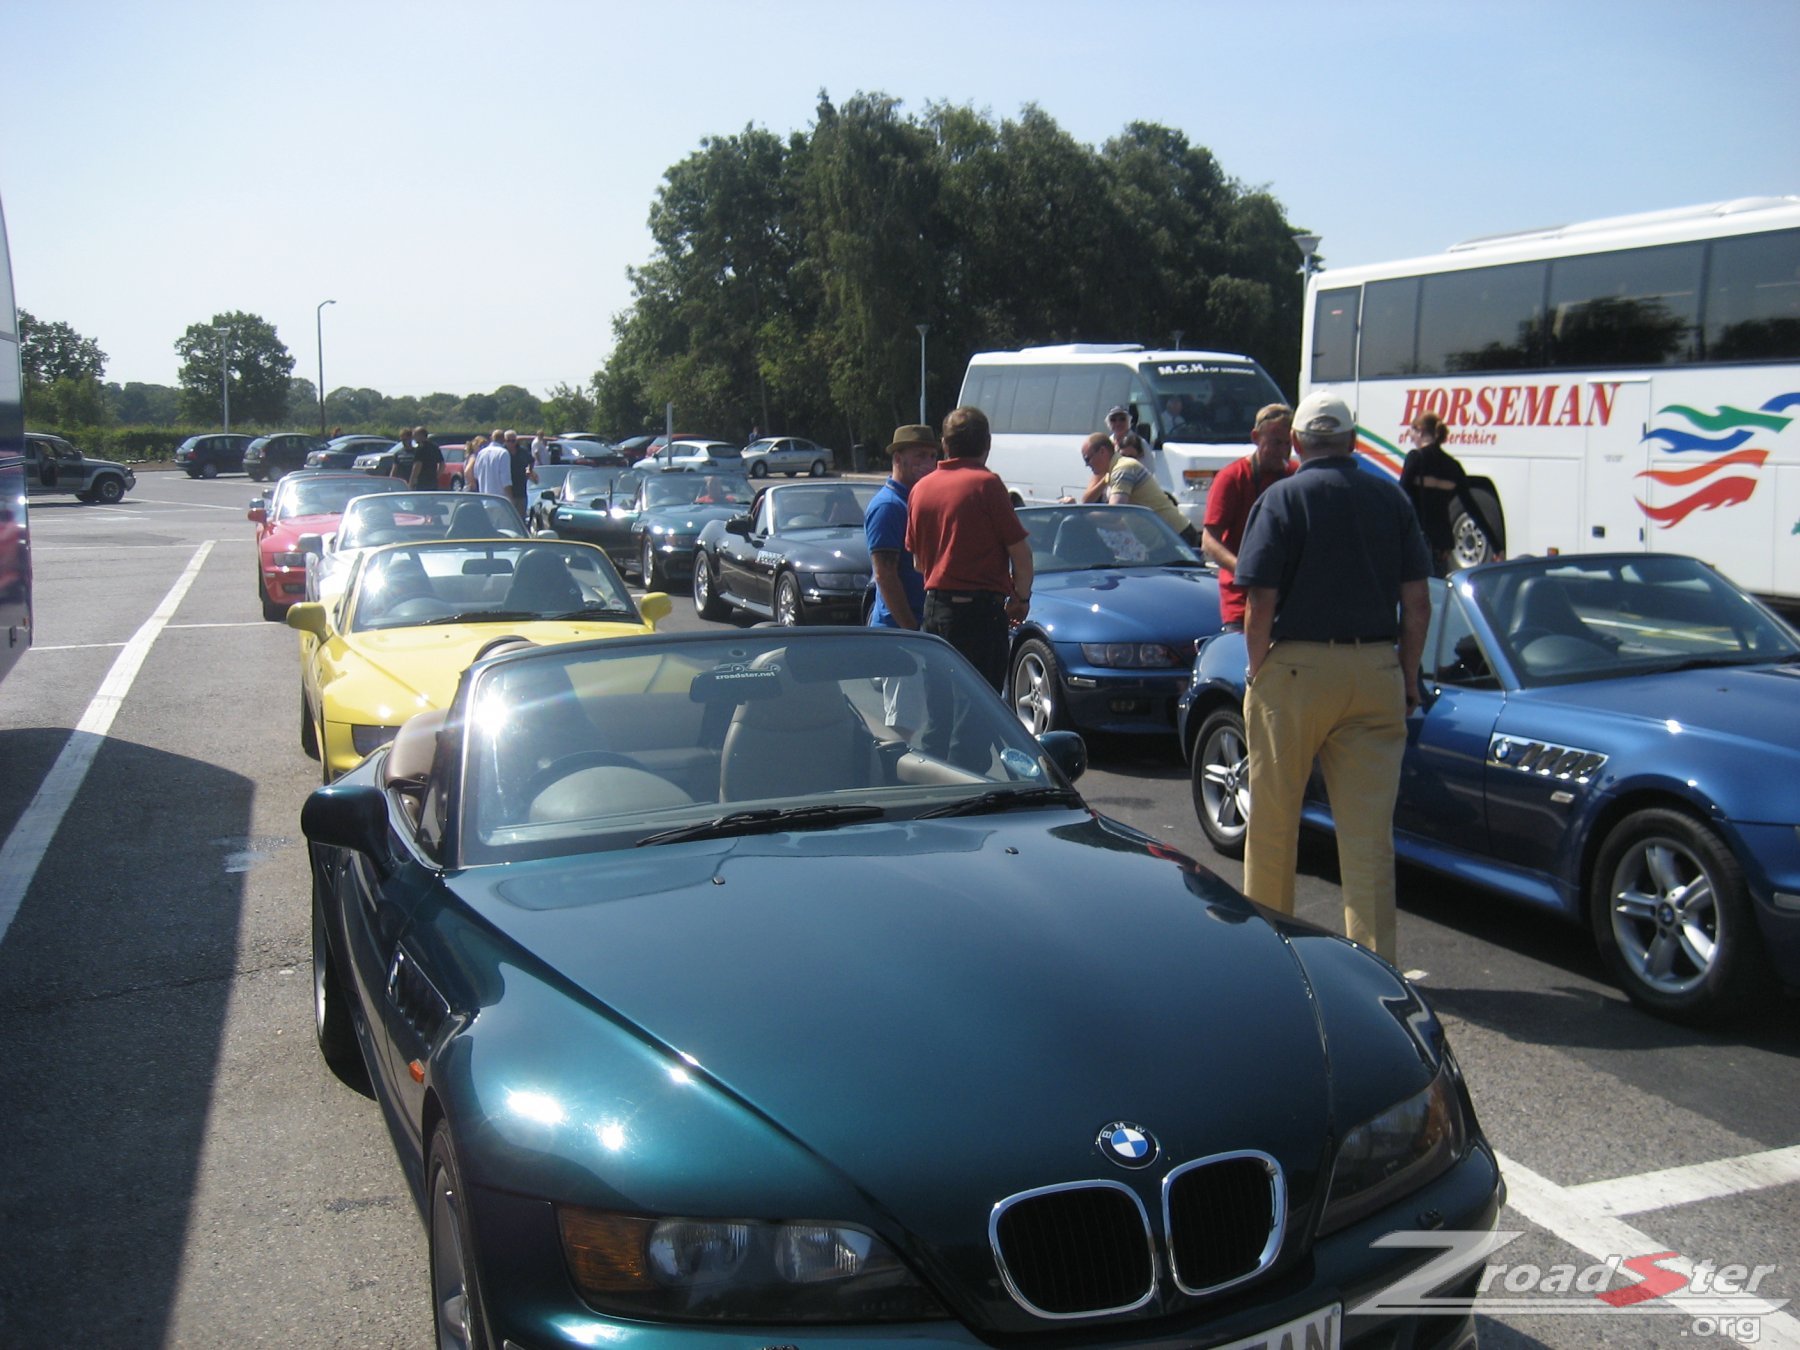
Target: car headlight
[
  {"x": 290, "y": 560},
  {"x": 1397, "y": 1151},
  {"x": 366, "y": 738},
  {"x": 840, "y": 581},
  {"x": 1133, "y": 655},
  {"x": 739, "y": 1270}
]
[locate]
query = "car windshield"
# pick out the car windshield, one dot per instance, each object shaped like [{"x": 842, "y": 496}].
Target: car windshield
[
  {"x": 550, "y": 476},
  {"x": 1206, "y": 402},
  {"x": 809, "y": 507},
  {"x": 766, "y": 443},
  {"x": 585, "y": 484},
  {"x": 1565, "y": 620},
  {"x": 1073, "y": 538},
  {"x": 326, "y": 496},
  {"x": 683, "y": 489},
  {"x": 413, "y": 517},
  {"x": 454, "y": 582},
  {"x": 629, "y": 742}
]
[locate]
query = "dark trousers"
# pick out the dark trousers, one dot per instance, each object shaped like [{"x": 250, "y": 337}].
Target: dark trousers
[{"x": 973, "y": 622}]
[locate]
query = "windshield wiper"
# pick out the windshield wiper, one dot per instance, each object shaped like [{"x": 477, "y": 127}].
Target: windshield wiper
[
  {"x": 588, "y": 611},
  {"x": 1714, "y": 662},
  {"x": 767, "y": 820},
  {"x": 1005, "y": 799},
  {"x": 485, "y": 616}
]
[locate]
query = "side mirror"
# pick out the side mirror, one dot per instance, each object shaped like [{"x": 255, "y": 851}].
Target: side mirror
[
  {"x": 600, "y": 504},
  {"x": 308, "y": 616},
  {"x": 1067, "y": 751},
  {"x": 311, "y": 543},
  {"x": 655, "y": 607},
  {"x": 353, "y": 818},
  {"x": 258, "y": 510},
  {"x": 738, "y": 525}
]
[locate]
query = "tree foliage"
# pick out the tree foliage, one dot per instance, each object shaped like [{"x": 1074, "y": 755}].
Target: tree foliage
[
  {"x": 243, "y": 348},
  {"x": 61, "y": 371},
  {"x": 788, "y": 278}
]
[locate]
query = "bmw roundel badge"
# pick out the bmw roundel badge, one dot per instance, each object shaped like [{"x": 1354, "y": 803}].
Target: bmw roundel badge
[{"x": 1128, "y": 1145}]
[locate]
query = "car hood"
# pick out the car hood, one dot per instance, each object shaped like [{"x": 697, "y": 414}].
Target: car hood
[
  {"x": 833, "y": 547},
  {"x": 686, "y": 519},
  {"x": 1127, "y": 604},
  {"x": 1751, "y": 703},
  {"x": 282, "y": 537},
  {"x": 1014, "y": 984},
  {"x": 406, "y": 670}
]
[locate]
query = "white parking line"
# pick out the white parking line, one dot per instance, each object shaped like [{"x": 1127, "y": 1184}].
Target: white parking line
[
  {"x": 1559, "y": 1211},
  {"x": 1685, "y": 1185},
  {"x": 31, "y": 836}
]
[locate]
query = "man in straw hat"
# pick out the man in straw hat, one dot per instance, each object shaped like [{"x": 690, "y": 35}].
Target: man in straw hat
[{"x": 899, "y": 588}]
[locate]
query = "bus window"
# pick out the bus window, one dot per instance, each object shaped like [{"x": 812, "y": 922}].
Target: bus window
[
  {"x": 1077, "y": 409},
  {"x": 1031, "y": 405},
  {"x": 1482, "y": 318},
  {"x": 1634, "y": 307},
  {"x": 1390, "y": 328},
  {"x": 1753, "y": 298},
  {"x": 1334, "y": 336}
]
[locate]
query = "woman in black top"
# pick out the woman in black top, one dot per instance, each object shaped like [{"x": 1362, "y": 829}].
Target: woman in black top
[{"x": 1434, "y": 482}]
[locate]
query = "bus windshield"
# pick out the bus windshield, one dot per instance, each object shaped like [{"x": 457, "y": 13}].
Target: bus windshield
[{"x": 1202, "y": 402}]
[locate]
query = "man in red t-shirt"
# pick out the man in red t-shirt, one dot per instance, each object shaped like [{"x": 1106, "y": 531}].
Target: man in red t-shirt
[
  {"x": 967, "y": 542},
  {"x": 1233, "y": 492}
]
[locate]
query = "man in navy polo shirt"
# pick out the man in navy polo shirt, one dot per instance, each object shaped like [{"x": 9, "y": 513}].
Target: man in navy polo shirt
[{"x": 1334, "y": 571}]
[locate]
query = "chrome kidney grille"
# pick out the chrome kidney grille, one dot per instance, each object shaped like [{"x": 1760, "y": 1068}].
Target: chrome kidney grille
[{"x": 1086, "y": 1249}]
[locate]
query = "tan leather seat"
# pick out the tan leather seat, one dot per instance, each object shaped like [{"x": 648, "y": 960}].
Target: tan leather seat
[{"x": 808, "y": 742}]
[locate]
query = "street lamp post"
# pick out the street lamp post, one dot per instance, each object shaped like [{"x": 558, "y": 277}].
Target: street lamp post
[
  {"x": 319, "y": 327},
  {"x": 923, "y": 328},
  {"x": 225, "y": 375},
  {"x": 1309, "y": 253}
]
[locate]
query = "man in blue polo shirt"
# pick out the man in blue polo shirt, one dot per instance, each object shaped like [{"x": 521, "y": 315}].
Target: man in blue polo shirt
[
  {"x": 1333, "y": 568},
  {"x": 899, "y": 588}
]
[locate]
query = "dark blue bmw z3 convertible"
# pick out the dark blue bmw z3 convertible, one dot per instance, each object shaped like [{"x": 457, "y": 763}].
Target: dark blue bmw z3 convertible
[
  {"x": 989, "y": 1068},
  {"x": 1613, "y": 737}
]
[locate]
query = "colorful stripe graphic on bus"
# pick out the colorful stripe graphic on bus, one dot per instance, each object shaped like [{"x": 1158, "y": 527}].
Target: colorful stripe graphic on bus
[{"x": 1727, "y": 475}]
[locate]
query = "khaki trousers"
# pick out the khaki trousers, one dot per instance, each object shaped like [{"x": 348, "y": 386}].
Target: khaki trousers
[{"x": 1345, "y": 704}]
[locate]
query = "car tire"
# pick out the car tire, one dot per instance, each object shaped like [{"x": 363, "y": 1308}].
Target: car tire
[
  {"x": 1673, "y": 920},
  {"x": 648, "y": 568},
  {"x": 1221, "y": 781},
  {"x": 309, "y": 735},
  {"x": 456, "y": 483},
  {"x": 818, "y": 468},
  {"x": 271, "y": 612},
  {"x": 193, "y": 473},
  {"x": 707, "y": 603},
  {"x": 109, "y": 489},
  {"x": 209, "y": 470},
  {"x": 1035, "y": 688},
  {"x": 332, "y": 1027},
  {"x": 456, "y": 1307},
  {"x": 790, "y": 609},
  {"x": 758, "y": 469},
  {"x": 85, "y": 498},
  {"x": 256, "y": 475}
]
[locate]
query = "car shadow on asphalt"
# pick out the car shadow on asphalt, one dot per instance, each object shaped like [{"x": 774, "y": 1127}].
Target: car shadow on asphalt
[{"x": 114, "y": 982}]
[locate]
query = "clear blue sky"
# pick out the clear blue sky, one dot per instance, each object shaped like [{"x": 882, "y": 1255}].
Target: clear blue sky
[{"x": 469, "y": 182}]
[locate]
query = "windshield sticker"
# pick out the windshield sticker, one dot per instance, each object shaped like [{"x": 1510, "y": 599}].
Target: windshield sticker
[{"x": 1020, "y": 764}]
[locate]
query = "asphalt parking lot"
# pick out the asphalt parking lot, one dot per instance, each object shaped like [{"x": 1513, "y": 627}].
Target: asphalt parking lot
[{"x": 183, "y": 1170}]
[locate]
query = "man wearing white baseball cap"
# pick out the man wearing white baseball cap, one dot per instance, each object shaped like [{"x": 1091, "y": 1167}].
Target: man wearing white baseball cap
[{"x": 1334, "y": 571}]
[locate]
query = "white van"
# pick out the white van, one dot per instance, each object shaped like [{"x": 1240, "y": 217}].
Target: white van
[{"x": 1194, "y": 409}]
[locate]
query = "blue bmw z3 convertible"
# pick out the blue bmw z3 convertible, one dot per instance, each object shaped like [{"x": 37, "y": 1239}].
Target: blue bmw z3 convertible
[{"x": 1613, "y": 737}]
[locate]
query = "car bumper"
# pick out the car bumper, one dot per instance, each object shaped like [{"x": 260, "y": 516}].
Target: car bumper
[
  {"x": 284, "y": 585},
  {"x": 831, "y": 606},
  {"x": 1120, "y": 700},
  {"x": 531, "y": 1305}
]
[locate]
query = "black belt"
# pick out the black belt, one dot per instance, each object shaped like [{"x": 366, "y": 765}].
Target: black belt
[
  {"x": 1387, "y": 641},
  {"x": 965, "y": 597}
]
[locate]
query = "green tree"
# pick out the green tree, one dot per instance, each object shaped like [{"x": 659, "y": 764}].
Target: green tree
[
  {"x": 62, "y": 371},
  {"x": 569, "y": 409},
  {"x": 303, "y": 400},
  {"x": 138, "y": 404},
  {"x": 258, "y": 366}
]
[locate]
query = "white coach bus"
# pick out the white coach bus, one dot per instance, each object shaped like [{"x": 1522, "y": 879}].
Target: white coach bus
[
  {"x": 1193, "y": 409},
  {"x": 1630, "y": 383}
]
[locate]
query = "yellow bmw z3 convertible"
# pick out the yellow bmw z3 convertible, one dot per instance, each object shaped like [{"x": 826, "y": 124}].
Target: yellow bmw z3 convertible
[{"x": 414, "y": 616}]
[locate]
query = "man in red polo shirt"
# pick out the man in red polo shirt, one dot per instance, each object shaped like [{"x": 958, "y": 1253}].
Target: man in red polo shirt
[
  {"x": 967, "y": 542},
  {"x": 1234, "y": 491}
]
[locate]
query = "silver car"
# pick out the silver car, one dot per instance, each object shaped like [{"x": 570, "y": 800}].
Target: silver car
[{"x": 786, "y": 454}]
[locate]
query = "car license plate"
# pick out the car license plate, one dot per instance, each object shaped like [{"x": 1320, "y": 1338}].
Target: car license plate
[{"x": 1320, "y": 1330}]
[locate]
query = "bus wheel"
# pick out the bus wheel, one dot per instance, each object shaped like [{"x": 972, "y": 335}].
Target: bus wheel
[{"x": 1470, "y": 546}]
